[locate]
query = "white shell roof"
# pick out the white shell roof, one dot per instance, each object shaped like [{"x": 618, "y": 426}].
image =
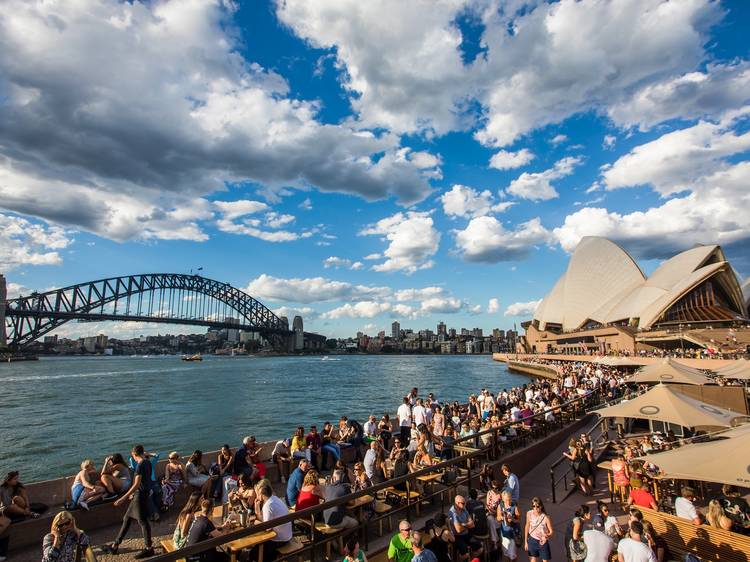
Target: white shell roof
[{"x": 604, "y": 284}]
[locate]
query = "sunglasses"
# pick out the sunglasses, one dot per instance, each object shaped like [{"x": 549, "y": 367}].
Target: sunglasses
[{"x": 405, "y": 530}]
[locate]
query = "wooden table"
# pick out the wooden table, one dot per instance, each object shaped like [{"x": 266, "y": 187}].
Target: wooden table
[
  {"x": 607, "y": 465},
  {"x": 358, "y": 505},
  {"x": 430, "y": 479},
  {"x": 256, "y": 539}
]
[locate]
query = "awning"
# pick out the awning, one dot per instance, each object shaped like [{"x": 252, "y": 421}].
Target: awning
[
  {"x": 739, "y": 369},
  {"x": 612, "y": 361},
  {"x": 720, "y": 461},
  {"x": 661, "y": 403},
  {"x": 670, "y": 371}
]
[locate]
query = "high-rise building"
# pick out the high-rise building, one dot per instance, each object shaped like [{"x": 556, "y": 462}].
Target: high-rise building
[
  {"x": 396, "y": 331},
  {"x": 441, "y": 329},
  {"x": 477, "y": 332},
  {"x": 498, "y": 334},
  {"x": 452, "y": 333},
  {"x": 233, "y": 335}
]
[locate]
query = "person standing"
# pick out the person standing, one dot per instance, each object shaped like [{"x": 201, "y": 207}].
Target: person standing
[
  {"x": 512, "y": 484},
  {"x": 537, "y": 533},
  {"x": 632, "y": 548},
  {"x": 598, "y": 544},
  {"x": 404, "y": 420},
  {"x": 138, "y": 495},
  {"x": 399, "y": 548}
]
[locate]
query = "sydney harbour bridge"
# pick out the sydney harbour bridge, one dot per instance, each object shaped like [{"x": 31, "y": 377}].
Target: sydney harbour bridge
[{"x": 168, "y": 298}]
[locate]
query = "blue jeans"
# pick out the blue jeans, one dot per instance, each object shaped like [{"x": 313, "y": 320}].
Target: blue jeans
[
  {"x": 302, "y": 454},
  {"x": 332, "y": 448}
]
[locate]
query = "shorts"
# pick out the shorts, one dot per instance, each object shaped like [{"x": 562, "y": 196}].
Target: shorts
[
  {"x": 76, "y": 493},
  {"x": 539, "y": 550}
]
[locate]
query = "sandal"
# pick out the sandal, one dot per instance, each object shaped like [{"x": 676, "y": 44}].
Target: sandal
[{"x": 110, "y": 548}]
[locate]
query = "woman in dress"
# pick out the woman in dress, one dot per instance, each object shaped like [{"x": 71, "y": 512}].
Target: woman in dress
[
  {"x": 243, "y": 496},
  {"x": 116, "y": 476},
  {"x": 438, "y": 422},
  {"x": 621, "y": 476},
  {"x": 64, "y": 542},
  {"x": 492, "y": 501},
  {"x": 574, "y": 533},
  {"x": 197, "y": 475},
  {"x": 185, "y": 519},
  {"x": 385, "y": 430},
  {"x": 440, "y": 538},
  {"x": 175, "y": 477},
  {"x": 537, "y": 532},
  {"x": 86, "y": 487}
]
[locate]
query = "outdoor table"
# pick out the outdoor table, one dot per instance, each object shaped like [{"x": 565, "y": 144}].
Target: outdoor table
[
  {"x": 256, "y": 539},
  {"x": 358, "y": 505},
  {"x": 430, "y": 479}
]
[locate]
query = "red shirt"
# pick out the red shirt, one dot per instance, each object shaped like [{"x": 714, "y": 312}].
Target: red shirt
[
  {"x": 642, "y": 498},
  {"x": 314, "y": 440}
]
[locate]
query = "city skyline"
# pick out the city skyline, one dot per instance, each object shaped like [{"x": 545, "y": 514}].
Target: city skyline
[{"x": 265, "y": 144}]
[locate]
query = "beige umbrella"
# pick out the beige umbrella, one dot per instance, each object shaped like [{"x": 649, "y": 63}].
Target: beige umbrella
[
  {"x": 715, "y": 461},
  {"x": 661, "y": 403},
  {"x": 670, "y": 370},
  {"x": 739, "y": 369},
  {"x": 623, "y": 362}
]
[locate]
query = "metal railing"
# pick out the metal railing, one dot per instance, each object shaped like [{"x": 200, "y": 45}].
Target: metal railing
[{"x": 567, "y": 411}]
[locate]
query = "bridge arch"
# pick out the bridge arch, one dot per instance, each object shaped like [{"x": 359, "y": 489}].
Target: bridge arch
[{"x": 172, "y": 298}]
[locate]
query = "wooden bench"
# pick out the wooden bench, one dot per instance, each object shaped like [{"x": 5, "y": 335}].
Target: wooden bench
[
  {"x": 709, "y": 544},
  {"x": 168, "y": 546}
]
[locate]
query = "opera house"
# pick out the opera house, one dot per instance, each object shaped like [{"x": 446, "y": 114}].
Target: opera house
[{"x": 604, "y": 303}]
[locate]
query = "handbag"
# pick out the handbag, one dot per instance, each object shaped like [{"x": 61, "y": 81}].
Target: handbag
[{"x": 577, "y": 549}]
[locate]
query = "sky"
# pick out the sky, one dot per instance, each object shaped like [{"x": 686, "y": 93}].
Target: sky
[{"x": 364, "y": 162}]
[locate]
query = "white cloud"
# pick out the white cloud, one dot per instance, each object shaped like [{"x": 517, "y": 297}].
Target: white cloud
[
  {"x": 676, "y": 161},
  {"x": 290, "y": 312},
  {"x": 693, "y": 160},
  {"x": 463, "y": 201},
  {"x": 609, "y": 142},
  {"x": 306, "y": 205},
  {"x": 312, "y": 289},
  {"x": 486, "y": 240},
  {"x": 537, "y": 186},
  {"x": 419, "y": 294},
  {"x": 138, "y": 160},
  {"x": 493, "y": 306},
  {"x": 16, "y": 290},
  {"x": 522, "y": 308},
  {"x": 26, "y": 243},
  {"x": 441, "y": 305},
  {"x": 506, "y": 160},
  {"x": 277, "y": 220},
  {"x": 240, "y": 208},
  {"x": 689, "y": 96},
  {"x": 362, "y": 309},
  {"x": 375, "y": 256},
  {"x": 558, "y": 139},
  {"x": 412, "y": 238},
  {"x": 404, "y": 311},
  {"x": 337, "y": 262}
]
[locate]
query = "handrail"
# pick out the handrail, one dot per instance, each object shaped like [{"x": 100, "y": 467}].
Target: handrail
[{"x": 311, "y": 511}]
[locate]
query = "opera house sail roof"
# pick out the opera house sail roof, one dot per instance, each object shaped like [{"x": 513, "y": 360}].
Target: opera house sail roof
[{"x": 603, "y": 285}]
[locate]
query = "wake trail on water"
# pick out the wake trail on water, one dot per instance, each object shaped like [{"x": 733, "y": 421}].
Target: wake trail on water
[{"x": 88, "y": 375}]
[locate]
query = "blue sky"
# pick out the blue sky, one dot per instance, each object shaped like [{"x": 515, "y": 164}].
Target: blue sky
[{"x": 365, "y": 162}]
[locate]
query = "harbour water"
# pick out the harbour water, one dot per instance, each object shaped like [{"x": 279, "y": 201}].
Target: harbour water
[{"x": 57, "y": 411}]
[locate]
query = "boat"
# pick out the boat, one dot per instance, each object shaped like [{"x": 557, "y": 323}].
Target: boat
[{"x": 196, "y": 357}]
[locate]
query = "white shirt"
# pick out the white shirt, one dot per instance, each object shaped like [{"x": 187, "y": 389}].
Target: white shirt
[
  {"x": 685, "y": 509},
  {"x": 371, "y": 428},
  {"x": 635, "y": 551},
  {"x": 419, "y": 414},
  {"x": 404, "y": 415},
  {"x": 598, "y": 546},
  {"x": 273, "y": 509},
  {"x": 369, "y": 462}
]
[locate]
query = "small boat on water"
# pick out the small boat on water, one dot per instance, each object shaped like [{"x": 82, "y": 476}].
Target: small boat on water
[
  {"x": 326, "y": 358},
  {"x": 196, "y": 357}
]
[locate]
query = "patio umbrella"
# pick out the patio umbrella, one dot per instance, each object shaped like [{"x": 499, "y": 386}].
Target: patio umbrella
[
  {"x": 668, "y": 371},
  {"x": 739, "y": 369},
  {"x": 661, "y": 403},
  {"x": 611, "y": 361},
  {"x": 714, "y": 461}
]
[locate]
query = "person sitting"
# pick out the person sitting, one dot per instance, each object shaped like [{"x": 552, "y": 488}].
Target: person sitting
[
  {"x": 14, "y": 499},
  {"x": 352, "y": 552},
  {"x": 283, "y": 458},
  {"x": 735, "y": 507},
  {"x": 401, "y": 468},
  {"x": 203, "y": 529},
  {"x": 243, "y": 496},
  {"x": 314, "y": 444},
  {"x": 363, "y": 482},
  {"x": 269, "y": 507},
  {"x": 242, "y": 463},
  {"x": 299, "y": 447},
  {"x": 336, "y": 516},
  {"x": 175, "y": 478},
  {"x": 684, "y": 508},
  {"x": 115, "y": 475},
  {"x": 355, "y": 437},
  {"x": 86, "y": 487},
  {"x": 716, "y": 517},
  {"x": 642, "y": 497},
  {"x": 329, "y": 446},
  {"x": 371, "y": 459},
  {"x": 65, "y": 542},
  {"x": 197, "y": 475},
  {"x": 371, "y": 429},
  {"x": 422, "y": 459},
  {"x": 311, "y": 492},
  {"x": 294, "y": 485},
  {"x": 185, "y": 520},
  {"x": 253, "y": 452}
]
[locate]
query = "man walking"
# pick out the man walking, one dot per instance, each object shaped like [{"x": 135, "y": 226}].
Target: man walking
[{"x": 138, "y": 494}]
